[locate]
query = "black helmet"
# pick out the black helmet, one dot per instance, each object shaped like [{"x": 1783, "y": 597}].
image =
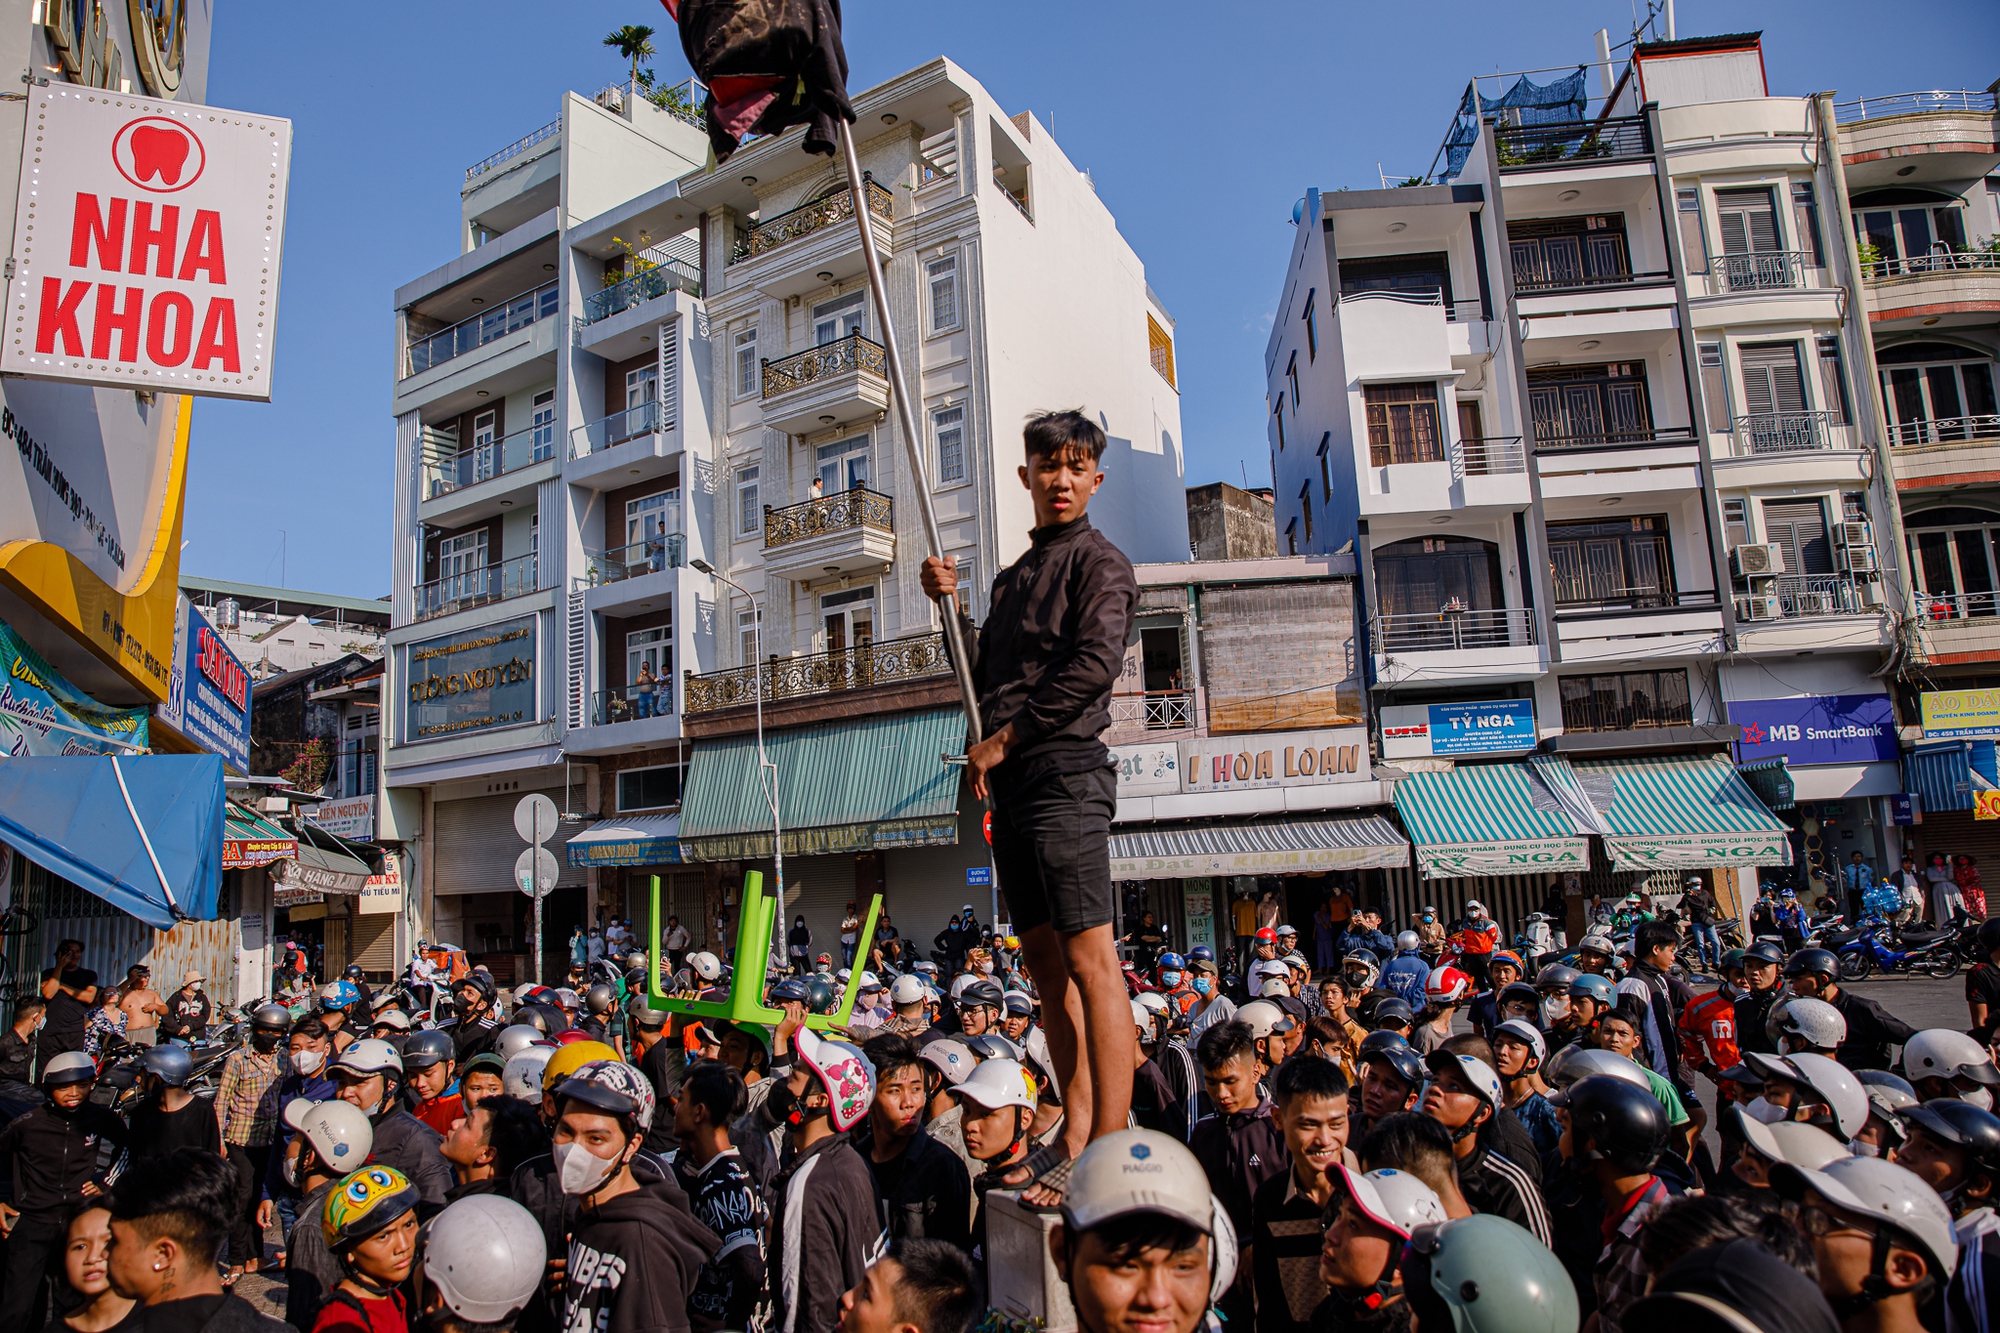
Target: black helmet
[
  {"x": 1961, "y": 1123},
  {"x": 478, "y": 981},
  {"x": 271, "y": 1018},
  {"x": 1763, "y": 951},
  {"x": 534, "y": 1016},
  {"x": 353, "y": 972},
  {"x": 1624, "y": 1123},
  {"x": 599, "y": 998},
  {"x": 1989, "y": 934},
  {"x": 983, "y": 992},
  {"x": 1520, "y": 990},
  {"x": 1389, "y": 1048},
  {"x": 428, "y": 1048},
  {"x": 788, "y": 991},
  {"x": 821, "y": 998},
  {"x": 993, "y": 1046},
  {"x": 1393, "y": 1007},
  {"x": 1822, "y": 961}
]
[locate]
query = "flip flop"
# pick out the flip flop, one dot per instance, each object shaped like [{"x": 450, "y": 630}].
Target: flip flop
[{"x": 1048, "y": 1166}]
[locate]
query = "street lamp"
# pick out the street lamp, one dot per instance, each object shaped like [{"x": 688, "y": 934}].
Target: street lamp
[{"x": 767, "y": 772}]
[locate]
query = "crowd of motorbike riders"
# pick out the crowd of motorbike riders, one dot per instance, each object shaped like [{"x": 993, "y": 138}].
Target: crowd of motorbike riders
[{"x": 1390, "y": 1145}]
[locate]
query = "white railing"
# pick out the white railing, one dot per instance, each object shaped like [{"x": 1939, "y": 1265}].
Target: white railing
[
  {"x": 1822, "y": 595},
  {"x": 1490, "y": 456},
  {"x": 513, "y": 150},
  {"x": 1906, "y": 104},
  {"x": 1951, "y": 430},
  {"x": 1938, "y": 606},
  {"x": 1452, "y": 629},
  {"x": 1942, "y": 261},
  {"x": 1158, "y": 710}
]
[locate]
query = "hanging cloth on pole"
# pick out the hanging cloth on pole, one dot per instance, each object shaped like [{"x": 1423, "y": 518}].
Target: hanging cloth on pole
[{"x": 769, "y": 65}]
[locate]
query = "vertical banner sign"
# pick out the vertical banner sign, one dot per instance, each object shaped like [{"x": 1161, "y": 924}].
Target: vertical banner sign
[
  {"x": 209, "y": 699},
  {"x": 1198, "y": 909},
  {"x": 148, "y": 237}
]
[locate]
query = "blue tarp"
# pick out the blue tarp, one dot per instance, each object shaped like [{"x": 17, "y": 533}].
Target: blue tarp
[
  {"x": 1944, "y": 774},
  {"x": 69, "y": 815},
  {"x": 1558, "y": 103}
]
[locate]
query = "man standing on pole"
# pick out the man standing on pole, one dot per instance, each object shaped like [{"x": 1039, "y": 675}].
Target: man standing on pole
[{"x": 1043, "y": 665}]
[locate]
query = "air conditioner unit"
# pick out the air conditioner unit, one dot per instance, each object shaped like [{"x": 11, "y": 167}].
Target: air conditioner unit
[
  {"x": 1758, "y": 608},
  {"x": 1856, "y": 533},
  {"x": 1817, "y": 604},
  {"x": 1857, "y": 559},
  {"x": 1755, "y": 561},
  {"x": 1874, "y": 596}
]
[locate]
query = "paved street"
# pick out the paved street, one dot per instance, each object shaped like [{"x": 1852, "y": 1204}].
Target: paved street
[{"x": 1919, "y": 1001}]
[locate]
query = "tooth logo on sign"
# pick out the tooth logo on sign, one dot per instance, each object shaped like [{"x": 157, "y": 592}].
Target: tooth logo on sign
[{"x": 158, "y": 154}]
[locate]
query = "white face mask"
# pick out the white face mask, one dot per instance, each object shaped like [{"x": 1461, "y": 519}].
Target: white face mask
[
  {"x": 1554, "y": 1008},
  {"x": 1979, "y": 1097},
  {"x": 308, "y": 1062},
  {"x": 987, "y": 968},
  {"x": 291, "y": 1171},
  {"x": 1763, "y": 1112},
  {"x": 580, "y": 1169},
  {"x": 1866, "y": 1150}
]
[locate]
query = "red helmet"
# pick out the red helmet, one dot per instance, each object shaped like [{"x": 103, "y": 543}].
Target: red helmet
[
  {"x": 1446, "y": 985},
  {"x": 573, "y": 1034},
  {"x": 1267, "y": 936}
]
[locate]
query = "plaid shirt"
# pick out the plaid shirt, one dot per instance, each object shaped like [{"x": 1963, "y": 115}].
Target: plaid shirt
[{"x": 246, "y": 1103}]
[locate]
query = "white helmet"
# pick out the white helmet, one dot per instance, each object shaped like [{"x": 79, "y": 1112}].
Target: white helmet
[
  {"x": 950, "y": 1057},
  {"x": 998, "y": 1083},
  {"x": 1264, "y": 1018},
  {"x": 1393, "y": 1199},
  {"x": 1479, "y": 1075},
  {"x": 522, "y": 1077},
  {"x": 1789, "y": 1141},
  {"x": 1270, "y": 967},
  {"x": 1871, "y": 1187},
  {"x": 1521, "y": 1030},
  {"x": 370, "y": 1055},
  {"x": 959, "y": 983},
  {"x": 1144, "y": 1171},
  {"x": 909, "y": 989},
  {"x": 1944, "y": 1053},
  {"x": 1152, "y": 1001},
  {"x": 339, "y": 1133},
  {"x": 706, "y": 965},
  {"x": 1446, "y": 985},
  {"x": 869, "y": 981},
  {"x": 843, "y": 974},
  {"x": 485, "y": 1255},
  {"x": 1833, "y": 1083},
  {"x": 516, "y": 1038},
  {"x": 1407, "y": 941},
  {"x": 71, "y": 1067},
  {"x": 1142, "y": 1018},
  {"x": 1815, "y": 1022}
]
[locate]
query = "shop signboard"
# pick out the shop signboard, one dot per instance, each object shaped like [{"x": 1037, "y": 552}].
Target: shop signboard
[
  {"x": 1275, "y": 759},
  {"x": 384, "y": 892},
  {"x": 1544, "y": 856},
  {"x": 246, "y": 853},
  {"x": 472, "y": 681},
  {"x": 1950, "y": 715},
  {"x": 1903, "y": 808},
  {"x": 352, "y": 817},
  {"x": 1816, "y": 729},
  {"x": 43, "y": 714},
  {"x": 1198, "y": 911},
  {"x": 208, "y": 699},
  {"x": 1421, "y": 731},
  {"x": 1149, "y": 769}
]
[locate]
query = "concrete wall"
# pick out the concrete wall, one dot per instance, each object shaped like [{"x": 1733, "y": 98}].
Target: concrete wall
[{"x": 1225, "y": 523}]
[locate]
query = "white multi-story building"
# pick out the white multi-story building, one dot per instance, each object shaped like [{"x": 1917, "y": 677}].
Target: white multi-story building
[
  {"x": 635, "y": 365},
  {"x": 1585, "y": 404}
]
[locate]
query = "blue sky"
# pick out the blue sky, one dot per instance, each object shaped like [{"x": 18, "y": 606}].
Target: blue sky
[{"x": 1200, "y": 135}]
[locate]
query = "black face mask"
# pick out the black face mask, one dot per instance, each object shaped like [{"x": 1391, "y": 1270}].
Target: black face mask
[{"x": 265, "y": 1042}]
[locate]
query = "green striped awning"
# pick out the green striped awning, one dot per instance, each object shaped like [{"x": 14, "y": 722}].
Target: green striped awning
[
  {"x": 1487, "y": 819},
  {"x": 1683, "y": 812},
  {"x": 1257, "y": 847},
  {"x": 852, "y": 786}
]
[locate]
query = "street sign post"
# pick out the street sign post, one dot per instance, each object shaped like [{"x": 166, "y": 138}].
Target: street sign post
[{"x": 535, "y": 870}]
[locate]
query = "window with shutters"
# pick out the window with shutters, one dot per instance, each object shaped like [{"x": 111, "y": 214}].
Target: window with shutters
[
  {"x": 1753, "y": 249},
  {"x": 1799, "y": 526},
  {"x": 1832, "y": 380},
  {"x": 1735, "y": 523},
  {"x": 1694, "y": 242},
  {"x": 1626, "y": 701},
  {"x": 1775, "y": 416},
  {"x": 1714, "y": 385},
  {"x": 1805, "y": 213},
  {"x": 1590, "y": 404},
  {"x": 942, "y": 275},
  {"x": 1403, "y": 424},
  {"x": 1616, "y": 563},
  {"x": 1937, "y": 393},
  {"x": 1551, "y": 253}
]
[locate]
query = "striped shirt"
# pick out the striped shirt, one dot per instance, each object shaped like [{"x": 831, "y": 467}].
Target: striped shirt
[{"x": 1493, "y": 1184}]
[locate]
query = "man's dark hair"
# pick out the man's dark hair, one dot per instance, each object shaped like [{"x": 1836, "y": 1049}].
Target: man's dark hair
[
  {"x": 29, "y": 1004},
  {"x": 1472, "y": 1044},
  {"x": 1225, "y": 1042},
  {"x": 891, "y": 1053},
  {"x": 309, "y": 1026},
  {"x": 1650, "y": 935},
  {"x": 66, "y": 946},
  {"x": 515, "y": 1132},
  {"x": 718, "y": 1089},
  {"x": 1129, "y": 1233},
  {"x": 1630, "y": 1011},
  {"x": 1413, "y": 1142},
  {"x": 1053, "y": 434},
  {"x": 1309, "y": 1076},
  {"x": 939, "y": 1292},
  {"x": 1697, "y": 1221},
  {"x": 189, "y": 1195}
]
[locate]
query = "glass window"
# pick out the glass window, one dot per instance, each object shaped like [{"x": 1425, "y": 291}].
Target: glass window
[
  {"x": 843, "y": 465},
  {"x": 968, "y": 581},
  {"x": 649, "y": 521},
  {"x": 650, "y": 650},
  {"x": 1955, "y": 559},
  {"x": 848, "y": 618},
  {"x": 1440, "y": 593},
  {"x": 1903, "y": 230},
  {"x": 1312, "y": 328},
  {"x": 943, "y": 276},
  {"x": 542, "y": 443},
  {"x": 1937, "y": 392},
  {"x": 746, "y": 634},
  {"x": 649, "y": 788},
  {"x": 1735, "y": 523},
  {"x": 1292, "y": 374},
  {"x": 749, "y": 510},
  {"x": 1626, "y": 701},
  {"x": 1325, "y": 466},
  {"x": 1614, "y": 563},
  {"x": 1590, "y": 404},
  {"x": 746, "y": 363},
  {"x": 1306, "y": 511},
  {"x": 838, "y": 318},
  {"x": 1160, "y": 348},
  {"x": 1402, "y": 424},
  {"x": 948, "y": 425},
  {"x": 1279, "y": 413}
]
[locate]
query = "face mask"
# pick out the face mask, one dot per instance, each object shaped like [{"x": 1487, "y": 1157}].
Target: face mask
[
  {"x": 1201, "y": 985},
  {"x": 1979, "y": 1097},
  {"x": 291, "y": 1170},
  {"x": 987, "y": 968},
  {"x": 1763, "y": 1112},
  {"x": 1870, "y": 1150},
  {"x": 580, "y": 1169},
  {"x": 1171, "y": 978},
  {"x": 308, "y": 1062},
  {"x": 265, "y": 1042},
  {"x": 1428, "y": 919}
]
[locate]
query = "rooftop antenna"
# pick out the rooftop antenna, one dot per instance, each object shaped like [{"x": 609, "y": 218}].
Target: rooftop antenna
[
  {"x": 1604, "y": 60},
  {"x": 1246, "y": 473},
  {"x": 1670, "y": 19},
  {"x": 1380, "y": 177}
]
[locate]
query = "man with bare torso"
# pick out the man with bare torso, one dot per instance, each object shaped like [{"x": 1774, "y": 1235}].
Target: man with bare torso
[{"x": 142, "y": 1005}]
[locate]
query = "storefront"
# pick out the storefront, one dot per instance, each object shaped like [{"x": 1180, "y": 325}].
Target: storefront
[
  {"x": 476, "y": 903},
  {"x": 629, "y": 852},
  {"x": 1840, "y": 765}
]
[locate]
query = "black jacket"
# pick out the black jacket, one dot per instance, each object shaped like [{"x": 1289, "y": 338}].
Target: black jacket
[
  {"x": 826, "y": 1224},
  {"x": 1751, "y": 1011},
  {"x": 1052, "y": 648},
  {"x": 53, "y": 1154},
  {"x": 67, "y": 1019},
  {"x": 925, "y": 1193},
  {"x": 186, "y": 1016},
  {"x": 633, "y": 1262},
  {"x": 1240, "y": 1152},
  {"x": 411, "y": 1146},
  {"x": 1671, "y": 997},
  {"x": 311, "y": 1270},
  {"x": 1871, "y": 1030},
  {"x": 1494, "y": 1184},
  {"x": 475, "y": 1037},
  {"x": 232, "y": 1314}
]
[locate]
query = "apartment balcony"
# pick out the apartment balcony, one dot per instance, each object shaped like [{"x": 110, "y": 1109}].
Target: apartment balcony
[
  {"x": 625, "y": 448},
  {"x": 655, "y": 555},
  {"x": 475, "y": 588},
  {"x": 1652, "y": 459},
  {"x": 625, "y": 719},
  {"x": 826, "y": 386},
  {"x": 1154, "y": 710},
  {"x": 1769, "y": 433},
  {"x": 1908, "y": 292},
  {"x": 849, "y": 533},
  {"x": 619, "y": 322},
  {"x": 813, "y": 245},
  {"x": 461, "y": 486},
  {"x": 823, "y": 676},
  {"x": 1763, "y": 271},
  {"x": 432, "y": 350},
  {"x": 1959, "y": 627},
  {"x": 1959, "y": 451},
  {"x": 1578, "y": 144},
  {"x": 1457, "y": 644},
  {"x": 499, "y": 350},
  {"x": 1936, "y": 136},
  {"x": 1813, "y": 613},
  {"x": 1647, "y": 624},
  {"x": 505, "y": 188}
]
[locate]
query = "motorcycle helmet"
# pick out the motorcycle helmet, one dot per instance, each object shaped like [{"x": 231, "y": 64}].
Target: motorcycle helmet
[
  {"x": 845, "y": 1074},
  {"x": 513, "y": 1040},
  {"x": 485, "y": 1255},
  {"x": 791, "y": 990},
  {"x": 1816, "y": 961},
  {"x": 1484, "y": 1274},
  {"x": 1201, "y": 953},
  {"x": 428, "y": 1049},
  {"x": 613, "y": 1086},
  {"x": 600, "y": 999},
  {"x": 523, "y": 1076},
  {"x": 1446, "y": 985},
  {"x": 1621, "y": 1123},
  {"x": 1816, "y": 1023},
  {"x": 1556, "y": 977},
  {"x": 820, "y": 995},
  {"x": 170, "y": 1064},
  {"x": 706, "y": 966},
  {"x": 365, "y": 1203},
  {"x": 338, "y": 996},
  {"x": 1408, "y": 942},
  {"x": 69, "y": 1067}
]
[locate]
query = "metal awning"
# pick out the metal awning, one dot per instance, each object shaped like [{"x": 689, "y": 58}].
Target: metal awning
[
  {"x": 1771, "y": 780},
  {"x": 1488, "y": 819},
  {"x": 322, "y": 864},
  {"x": 1683, "y": 812},
  {"x": 1258, "y": 847},
  {"x": 872, "y": 783},
  {"x": 1944, "y": 775},
  {"x": 628, "y": 840},
  {"x": 249, "y": 839}
]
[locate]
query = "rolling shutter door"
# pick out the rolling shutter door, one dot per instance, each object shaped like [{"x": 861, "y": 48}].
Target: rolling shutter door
[
  {"x": 477, "y": 845},
  {"x": 1957, "y": 833},
  {"x": 371, "y": 941}
]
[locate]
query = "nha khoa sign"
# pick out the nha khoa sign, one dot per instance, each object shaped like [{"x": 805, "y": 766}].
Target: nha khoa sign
[{"x": 148, "y": 238}]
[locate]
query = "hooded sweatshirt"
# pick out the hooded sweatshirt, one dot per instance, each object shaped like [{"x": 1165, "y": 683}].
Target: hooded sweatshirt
[
  {"x": 826, "y": 1225},
  {"x": 633, "y": 1263}
]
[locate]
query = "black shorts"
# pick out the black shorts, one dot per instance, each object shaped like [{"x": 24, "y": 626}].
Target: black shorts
[{"x": 1052, "y": 848}]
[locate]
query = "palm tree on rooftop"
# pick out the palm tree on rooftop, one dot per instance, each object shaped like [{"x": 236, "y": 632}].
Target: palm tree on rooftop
[{"x": 634, "y": 41}]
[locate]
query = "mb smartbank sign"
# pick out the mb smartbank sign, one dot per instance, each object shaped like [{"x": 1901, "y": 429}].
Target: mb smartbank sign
[{"x": 470, "y": 682}]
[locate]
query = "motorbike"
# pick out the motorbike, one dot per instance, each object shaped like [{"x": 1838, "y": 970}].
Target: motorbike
[{"x": 1861, "y": 950}]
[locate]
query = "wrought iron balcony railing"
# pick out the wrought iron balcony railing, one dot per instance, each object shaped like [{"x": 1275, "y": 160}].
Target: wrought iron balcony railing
[
  {"x": 1450, "y": 630},
  {"x": 1763, "y": 271},
  {"x": 1613, "y": 439},
  {"x": 482, "y": 462},
  {"x": 853, "y": 352},
  {"x": 847, "y": 511},
  {"x": 1942, "y": 606},
  {"x": 1529, "y": 282},
  {"x": 1571, "y": 144},
  {"x": 671, "y": 276},
  {"x": 1951, "y": 430},
  {"x": 434, "y": 349},
  {"x": 1943, "y": 261},
  {"x": 668, "y": 550},
  {"x": 883, "y": 663},
  {"x": 827, "y": 211},
  {"x": 1785, "y": 432},
  {"x": 475, "y": 587},
  {"x": 608, "y": 432},
  {"x": 1823, "y": 595}
]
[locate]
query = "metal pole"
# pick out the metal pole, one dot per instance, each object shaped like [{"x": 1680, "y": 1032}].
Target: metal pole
[
  {"x": 912, "y": 442},
  {"x": 535, "y": 880}
]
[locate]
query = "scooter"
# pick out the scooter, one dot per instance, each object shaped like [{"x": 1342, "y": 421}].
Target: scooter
[{"x": 1931, "y": 952}]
